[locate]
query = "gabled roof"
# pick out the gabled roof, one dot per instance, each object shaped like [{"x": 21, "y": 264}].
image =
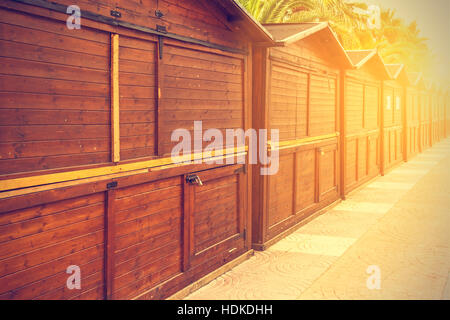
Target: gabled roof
[
  {"x": 433, "y": 86},
  {"x": 414, "y": 78},
  {"x": 427, "y": 84},
  {"x": 394, "y": 70},
  {"x": 360, "y": 58},
  {"x": 238, "y": 15},
  {"x": 398, "y": 72},
  {"x": 285, "y": 34}
]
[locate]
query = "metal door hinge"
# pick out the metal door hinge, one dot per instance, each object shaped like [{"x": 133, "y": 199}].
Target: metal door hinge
[
  {"x": 116, "y": 14},
  {"x": 161, "y": 29},
  {"x": 111, "y": 185}
]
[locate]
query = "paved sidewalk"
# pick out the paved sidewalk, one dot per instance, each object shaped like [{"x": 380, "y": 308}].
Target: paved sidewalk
[{"x": 399, "y": 223}]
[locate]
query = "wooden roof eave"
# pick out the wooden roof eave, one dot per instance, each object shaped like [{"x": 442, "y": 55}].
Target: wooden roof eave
[
  {"x": 416, "y": 81},
  {"x": 400, "y": 75},
  {"x": 311, "y": 31},
  {"x": 264, "y": 37},
  {"x": 304, "y": 34},
  {"x": 374, "y": 55}
]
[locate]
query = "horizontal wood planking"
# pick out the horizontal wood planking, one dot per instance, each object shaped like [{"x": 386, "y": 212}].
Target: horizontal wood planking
[
  {"x": 362, "y": 127},
  {"x": 137, "y": 118},
  {"x": 184, "y": 80},
  {"x": 137, "y": 86},
  {"x": 145, "y": 214},
  {"x": 39, "y": 243},
  {"x": 288, "y": 102},
  {"x": 323, "y": 105},
  {"x": 54, "y": 110},
  {"x": 216, "y": 213}
]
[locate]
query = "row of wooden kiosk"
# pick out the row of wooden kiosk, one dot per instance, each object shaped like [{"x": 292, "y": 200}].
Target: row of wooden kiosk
[{"x": 86, "y": 176}]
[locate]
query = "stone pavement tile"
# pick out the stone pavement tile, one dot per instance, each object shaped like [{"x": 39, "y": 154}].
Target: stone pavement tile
[
  {"x": 410, "y": 245},
  {"x": 315, "y": 244},
  {"x": 364, "y": 207},
  {"x": 377, "y": 195},
  {"x": 403, "y": 169},
  {"x": 341, "y": 224},
  {"x": 390, "y": 185},
  {"x": 407, "y": 272},
  {"x": 429, "y": 233},
  {"x": 399, "y": 176},
  {"x": 283, "y": 278},
  {"x": 446, "y": 291},
  {"x": 427, "y": 161}
]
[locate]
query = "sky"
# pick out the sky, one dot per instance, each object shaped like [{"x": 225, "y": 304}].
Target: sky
[{"x": 433, "y": 19}]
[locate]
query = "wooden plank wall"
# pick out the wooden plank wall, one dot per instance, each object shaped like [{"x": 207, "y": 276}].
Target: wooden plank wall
[
  {"x": 131, "y": 234},
  {"x": 38, "y": 243},
  {"x": 393, "y": 100},
  {"x": 425, "y": 119},
  {"x": 412, "y": 123},
  {"x": 442, "y": 115},
  {"x": 54, "y": 95},
  {"x": 200, "y": 86},
  {"x": 46, "y": 65},
  {"x": 362, "y": 128},
  {"x": 137, "y": 87},
  {"x": 447, "y": 113},
  {"x": 435, "y": 117},
  {"x": 148, "y": 220},
  {"x": 302, "y": 103}
]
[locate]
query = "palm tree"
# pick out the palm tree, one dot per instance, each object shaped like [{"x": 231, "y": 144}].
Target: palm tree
[
  {"x": 270, "y": 11},
  {"x": 341, "y": 16},
  {"x": 396, "y": 41}
]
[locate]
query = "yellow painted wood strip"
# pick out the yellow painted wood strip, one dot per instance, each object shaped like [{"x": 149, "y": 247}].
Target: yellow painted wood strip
[
  {"x": 24, "y": 191},
  {"x": 362, "y": 134},
  {"x": 299, "y": 142},
  {"x": 115, "y": 121},
  {"x": 33, "y": 181}
]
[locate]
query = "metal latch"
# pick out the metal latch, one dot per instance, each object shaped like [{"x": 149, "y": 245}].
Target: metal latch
[
  {"x": 116, "y": 13},
  {"x": 111, "y": 185},
  {"x": 194, "y": 179}
]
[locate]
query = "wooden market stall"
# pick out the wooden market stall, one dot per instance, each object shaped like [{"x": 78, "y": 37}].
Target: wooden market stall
[
  {"x": 296, "y": 91},
  {"x": 412, "y": 111},
  {"x": 441, "y": 111},
  {"x": 394, "y": 117},
  {"x": 446, "y": 111},
  {"x": 86, "y": 173},
  {"x": 425, "y": 139},
  {"x": 361, "y": 120},
  {"x": 435, "y": 114}
]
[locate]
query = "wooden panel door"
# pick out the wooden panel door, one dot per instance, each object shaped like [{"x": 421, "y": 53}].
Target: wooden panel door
[
  {"x": 214, "y": 214},
  {"x": 327, "y": 170}
]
